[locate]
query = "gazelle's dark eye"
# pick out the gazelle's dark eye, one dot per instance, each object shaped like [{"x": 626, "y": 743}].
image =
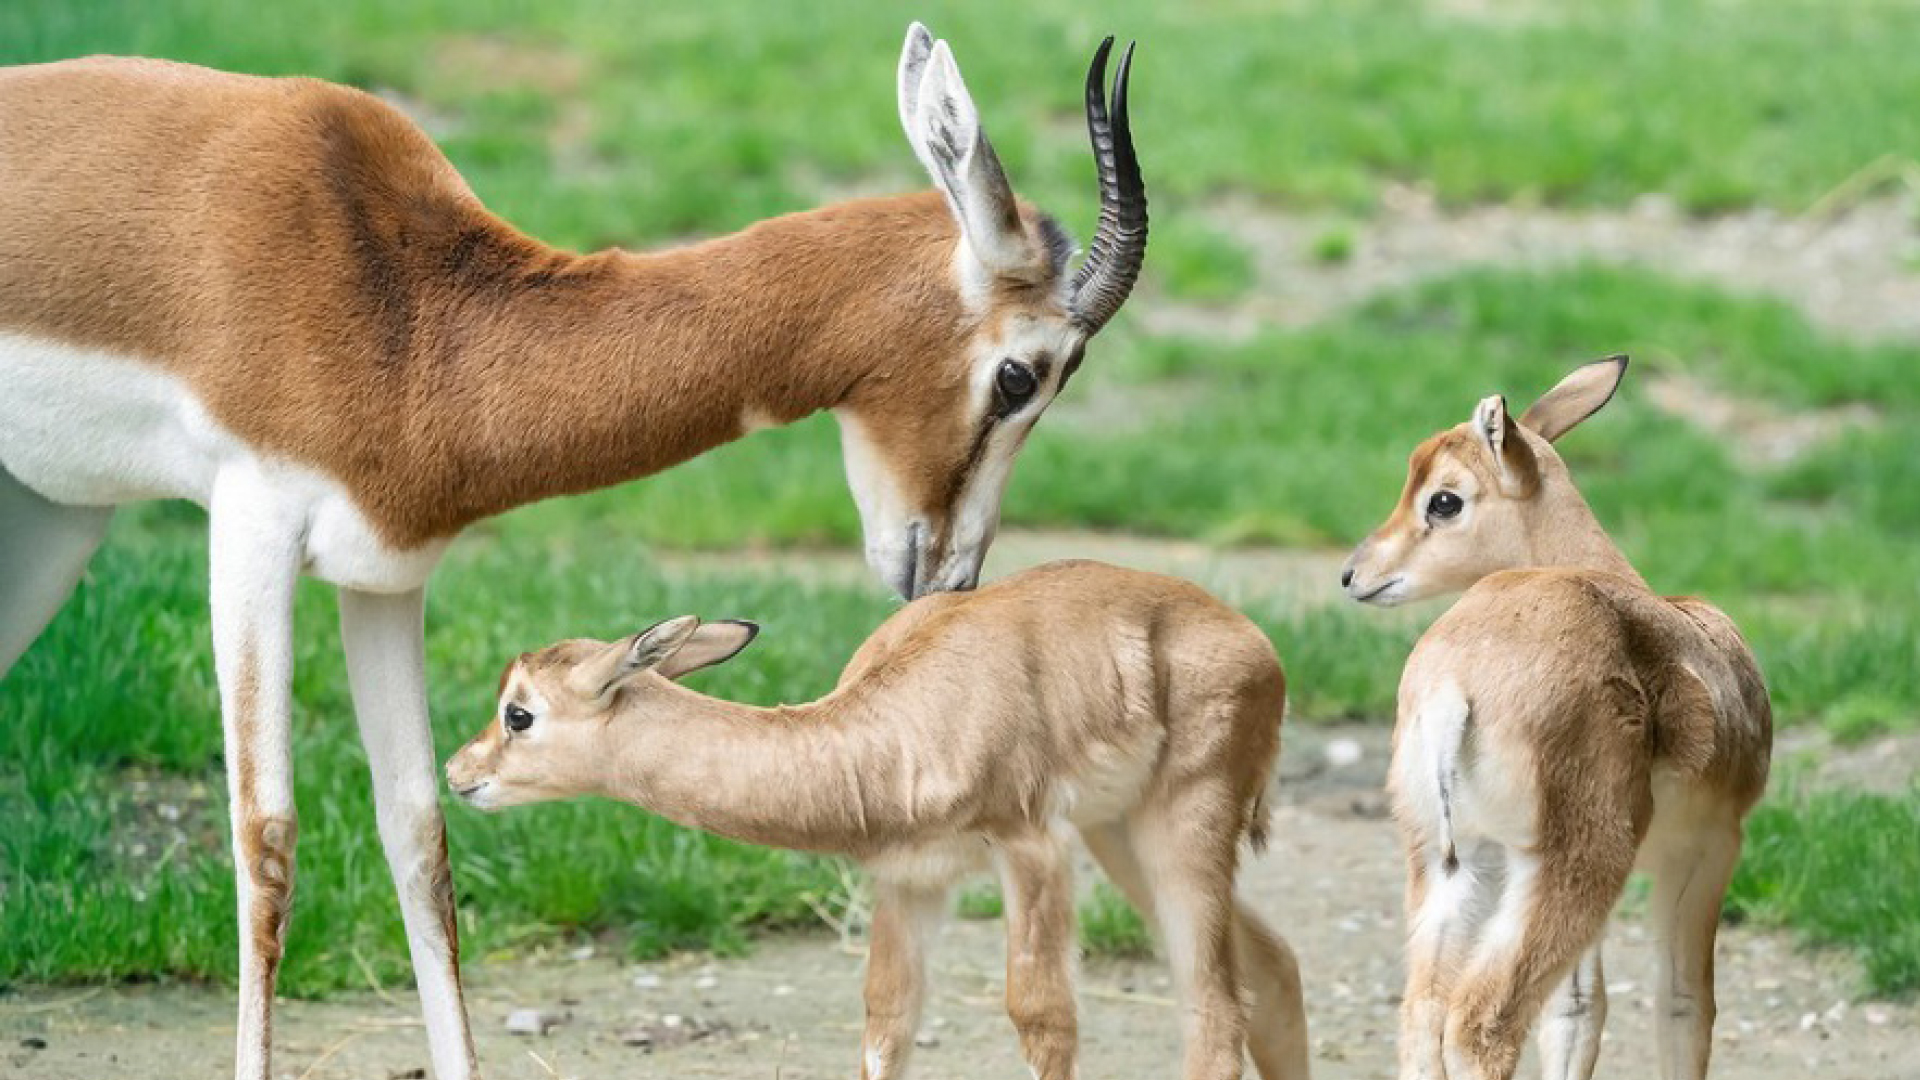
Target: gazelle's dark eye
[
  {"x": 1017, "y": 384},
  {"x": 1444, "y": 504},
  {"x": 517, "y": 718}
]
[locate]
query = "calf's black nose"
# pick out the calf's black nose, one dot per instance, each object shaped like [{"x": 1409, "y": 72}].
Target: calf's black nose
[{"x": 1346, "y": 577}]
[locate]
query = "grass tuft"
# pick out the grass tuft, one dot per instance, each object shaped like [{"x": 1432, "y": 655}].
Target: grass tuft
[
  {"x": 1842, "y": 869},
  {"x": 980, "y": 902},
  {"x": 1110, "y": 928}
]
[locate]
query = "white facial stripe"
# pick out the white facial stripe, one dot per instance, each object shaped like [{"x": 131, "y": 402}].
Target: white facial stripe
[
  {"x": 975, "y": 515},
  {"x": 886, "y": 517},
  {"x": 896, "y": 538},
  {"x": 520, "y": 690}
]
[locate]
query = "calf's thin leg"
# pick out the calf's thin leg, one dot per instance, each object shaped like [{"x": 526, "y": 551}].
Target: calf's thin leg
[
  {"x": 1552, "y": 910},
  {"x": 1037, "y": 881},
  {"x": 1689, "y": 884},
  {"x": 1277, "y": 1014},
  {"x": 1444, "y": 900},
  {"x": 905, "y": 918},
  {"x": 1269, "y": 971},
  {"x": 1571, "y": 1023},
  {"x": 1188, "y": 851}
]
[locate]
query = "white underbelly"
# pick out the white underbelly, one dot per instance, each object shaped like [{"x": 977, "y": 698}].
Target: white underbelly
[
  {"x": 85, "y": 427},
  {"x": 89, "y": 428}
]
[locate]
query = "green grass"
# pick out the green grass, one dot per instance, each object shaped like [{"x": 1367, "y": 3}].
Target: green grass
[
  {"x": 1107, "y": 925},
  {"x": 1842, "y": 869},
  {"x": 1334, "y": 246},
  {"x": 1200, "y": 264},
  {"x": 980, "y": 901},
  {"x": 1110, "y": 928}
]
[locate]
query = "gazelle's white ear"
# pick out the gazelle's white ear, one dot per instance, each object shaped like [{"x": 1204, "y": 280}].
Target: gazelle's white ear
[
  {"x": 1512, "y": 458},
  {"x": 1577, "y": 397},
  {"x": 944, "y": 128},
  {"x": 913, "y": 65}
]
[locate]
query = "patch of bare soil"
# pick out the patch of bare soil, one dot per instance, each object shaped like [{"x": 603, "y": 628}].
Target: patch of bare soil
[
  {"x": 1761, "y": 433},
  {"x": 490, "y": 60},
  {"x": 1852, "y": 269},
  {"x": 792, "y": 1009},
  {"x": 1813, "y": 758}
]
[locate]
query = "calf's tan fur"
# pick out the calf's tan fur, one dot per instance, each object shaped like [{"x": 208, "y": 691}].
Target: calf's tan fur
[
  {"x": 1558, "y": 727},
  {"x": 1133, "y": 707}
]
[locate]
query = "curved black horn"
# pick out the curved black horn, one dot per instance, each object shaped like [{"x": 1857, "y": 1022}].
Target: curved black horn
[{"x": 1119, "y": 245}]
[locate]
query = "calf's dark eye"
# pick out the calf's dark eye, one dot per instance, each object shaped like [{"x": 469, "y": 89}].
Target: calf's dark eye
[
  {"x": 1444, "y": 504},
  {"x": 517, "y": 718},
  {"x": 1016, "y": 382}
]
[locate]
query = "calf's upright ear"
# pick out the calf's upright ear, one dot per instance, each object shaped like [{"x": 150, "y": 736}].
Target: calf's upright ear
[{"x": 1576, "y": 397}]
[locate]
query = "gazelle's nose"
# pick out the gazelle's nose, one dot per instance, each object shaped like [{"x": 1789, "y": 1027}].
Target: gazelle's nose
[{"x": 1346, "y": 578}]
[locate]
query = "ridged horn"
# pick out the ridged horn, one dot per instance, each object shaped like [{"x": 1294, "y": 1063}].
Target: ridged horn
[{"x": 1119, "y": 245}]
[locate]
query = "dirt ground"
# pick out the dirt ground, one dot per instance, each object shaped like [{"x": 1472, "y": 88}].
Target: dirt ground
[{"x": 791, "y": 1009}]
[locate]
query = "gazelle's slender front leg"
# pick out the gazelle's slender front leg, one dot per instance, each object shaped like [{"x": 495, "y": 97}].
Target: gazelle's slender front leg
[
  {"x": 905, "y": 918},
  {"x": 386, "y": 665},
  {"x": 1575, "y": 1016},
  {"x": 254, "y": 561},
  {"x": 1689, "y": 884},
  {"x": 1037, "y": 880}
]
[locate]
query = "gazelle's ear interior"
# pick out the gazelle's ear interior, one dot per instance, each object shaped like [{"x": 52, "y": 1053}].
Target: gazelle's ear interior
[
  {"x": 1512, "y": 458},
  {"x": 913, "y": 67},
  {"x": 619, "y": 662},
  {"x": 944, "y": 128},
  {"x": 709, "y": 644},
  {"x": 1577, "y": 397}
]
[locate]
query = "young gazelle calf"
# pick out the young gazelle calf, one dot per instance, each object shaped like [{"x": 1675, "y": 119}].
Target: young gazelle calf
[
  {"x": 1134, "y": 707},
  {"x": 1558, "y": 727}
]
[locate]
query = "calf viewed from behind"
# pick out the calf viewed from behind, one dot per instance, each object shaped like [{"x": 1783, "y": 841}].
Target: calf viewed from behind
[
  {"x": 1133, "y": 707},
  {"x": 1558, "y": 727}
]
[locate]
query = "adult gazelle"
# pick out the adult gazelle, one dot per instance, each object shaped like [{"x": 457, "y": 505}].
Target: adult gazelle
[{"x": 276, "y": 298}]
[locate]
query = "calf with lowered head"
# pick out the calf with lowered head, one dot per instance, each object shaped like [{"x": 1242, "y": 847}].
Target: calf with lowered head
[{"x": 970, "y": 728}]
